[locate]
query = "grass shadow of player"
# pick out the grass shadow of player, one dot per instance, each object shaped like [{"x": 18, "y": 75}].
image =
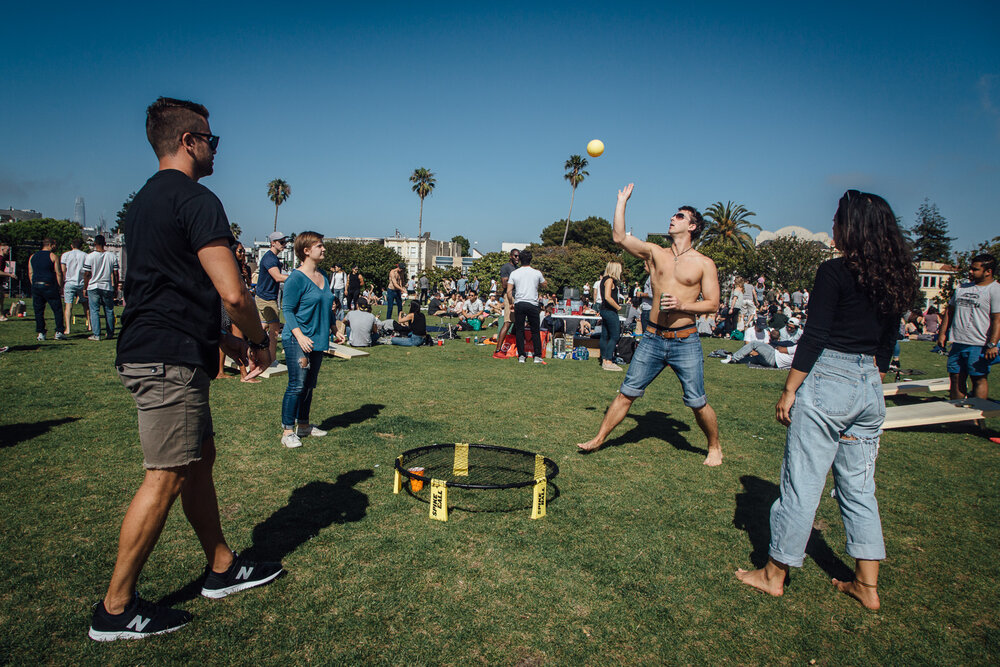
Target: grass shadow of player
[
  {"x": 356, "y": 416},
  {"x": 753, "y": 515},
  {"x": 311, "y": 508},
  {"x": 13, "y": 434},
  {"x": 658, "y": 425}
]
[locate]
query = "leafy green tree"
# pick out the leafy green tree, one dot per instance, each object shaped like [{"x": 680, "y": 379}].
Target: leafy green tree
[
  {"x": 436, "y": 274},
  {"x": 487, "y": 267},
  {"x": 787, "y": 261},
  {"x": 594, "y": 232},
  {"x": 423, "y": 184},
  {"x": 374, "y": 260},
  {"x": 25, "y": 237},
  {"x": 120, "y": 216},
  {"x": 932, "y": 242},
  {"x": 570, "y": 265},
  {"x": 236, "y": 230},
  {"x": 463, "y": 243},
  {"x": 728, "y": 223},
  {"x": 278, "y": 191},
  {"x": 574, "y": 174}
]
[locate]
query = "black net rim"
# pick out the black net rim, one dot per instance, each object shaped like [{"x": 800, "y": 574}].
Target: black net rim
[{"x": 551, "y": 469}]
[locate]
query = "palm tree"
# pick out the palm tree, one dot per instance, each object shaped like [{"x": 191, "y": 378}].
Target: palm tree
[
  {"x": 278, "y": 191},
  {"x": 423, "y": 184},
  {"x": 574, "y": 174},
  {"x": 728, "y": 225}
]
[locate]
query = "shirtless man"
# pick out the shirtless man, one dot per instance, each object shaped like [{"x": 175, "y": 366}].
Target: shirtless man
[{"x": 679, "y": 275}]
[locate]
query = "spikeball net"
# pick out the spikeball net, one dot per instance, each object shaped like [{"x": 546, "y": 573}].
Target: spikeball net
[{"x": 436, "y": 468}]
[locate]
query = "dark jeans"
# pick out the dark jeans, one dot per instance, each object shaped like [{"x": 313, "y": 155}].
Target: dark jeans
[
  {"x": 610, "y": 333},
  {"x": 392, "y": 296},
  {"x": 41, "y": 294},
  {"x": 352, "y": 298},
  {"x": 530, "y": 311},
  {"x": 101, "y": 298},
  {"x": 301, "y": 381}
]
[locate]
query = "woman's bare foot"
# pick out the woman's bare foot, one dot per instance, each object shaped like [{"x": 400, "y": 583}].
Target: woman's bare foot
[
  {"x": 221, "y": 376},
  {"x": 590, "y": 445},
  {"x": 759, "y": 580},
  {"x": 250, "y": 381},
  {"x": 714, "y": 457},
  {"x": 866, "y": 595}
]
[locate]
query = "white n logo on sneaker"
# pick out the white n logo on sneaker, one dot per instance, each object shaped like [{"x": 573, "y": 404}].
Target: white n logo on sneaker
[
  {"x": 139, "y": 623},
  {"x": 244, "y": 572}
]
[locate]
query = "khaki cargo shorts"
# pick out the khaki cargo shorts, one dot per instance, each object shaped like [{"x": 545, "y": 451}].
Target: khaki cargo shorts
[
  {"x": 268, "y": 310},
  {"x": 174, "y": 415}
]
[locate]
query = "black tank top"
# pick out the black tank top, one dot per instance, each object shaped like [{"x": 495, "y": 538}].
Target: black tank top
[{"x": 42, "y": 268}]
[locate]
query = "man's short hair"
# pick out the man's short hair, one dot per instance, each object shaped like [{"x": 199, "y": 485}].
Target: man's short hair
[
  {"x": 696, "y": 218},
  {"x": 48, "y": 241},
  {"x": 304, "y": 241},
  {"x": 99, "y": 239},
  {"x": 76, "y": 243},
  {"x": 526, "y": 258},
  {"x": 167, "y": 119},
  {"x": 988, "y": 261}
]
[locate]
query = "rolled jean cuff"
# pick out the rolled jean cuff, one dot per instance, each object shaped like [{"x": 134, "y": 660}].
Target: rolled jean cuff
[
  {"x": 785, "y": 559},
  {"x": 866, "y": 551},
  {"x": 697, "y": 402}
]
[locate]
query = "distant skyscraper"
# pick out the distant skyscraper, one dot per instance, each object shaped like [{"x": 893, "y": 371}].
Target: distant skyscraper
[{"x": 80, "y": 212}]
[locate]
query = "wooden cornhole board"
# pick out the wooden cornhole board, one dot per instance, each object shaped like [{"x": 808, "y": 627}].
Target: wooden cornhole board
[
  {"x": 915, "y": 386},
  {"x": 268, "y": 372},
  {"x": 345, "y": 352},
  {"x": 939, "y": 412}
]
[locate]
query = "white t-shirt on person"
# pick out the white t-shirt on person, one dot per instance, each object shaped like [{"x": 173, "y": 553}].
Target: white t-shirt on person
[
  {"x": 526, "y": 281},
  {"x": 73, "y": 260}
]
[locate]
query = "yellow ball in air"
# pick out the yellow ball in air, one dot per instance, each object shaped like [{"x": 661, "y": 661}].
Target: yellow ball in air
[{"x": 595, "y": 148}]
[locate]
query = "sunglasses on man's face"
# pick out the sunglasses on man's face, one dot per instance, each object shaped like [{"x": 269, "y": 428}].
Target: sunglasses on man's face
[{"x": 213, "y": 140}]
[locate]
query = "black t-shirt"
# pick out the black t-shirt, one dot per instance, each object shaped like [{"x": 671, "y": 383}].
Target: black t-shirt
[
  {"x": 172, "y": 310},
  {"x": 434, "y": 305},
  {"x": 418, "y": 325},
  {"x": 353, "y": 282}
]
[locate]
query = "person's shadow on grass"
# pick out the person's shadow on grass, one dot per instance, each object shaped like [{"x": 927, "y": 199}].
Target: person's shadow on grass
[
  {"x": 659, "y": 425},
  {"x": 753, "y": 515},
  {"x": 310, "y": 509},
  {"x": 356, "y": 416},
  {"x": 12, "y": 434}
]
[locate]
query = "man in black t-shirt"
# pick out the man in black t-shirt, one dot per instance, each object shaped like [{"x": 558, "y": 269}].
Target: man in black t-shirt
[
  {"x": 505, "y": 271},
  {"x": 180, "y": 263}
]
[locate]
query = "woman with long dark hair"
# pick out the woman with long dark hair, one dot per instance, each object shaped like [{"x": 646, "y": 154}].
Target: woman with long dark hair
[
  {"x": 832, "y": 402},
  {"x": 412, "y": 327}
]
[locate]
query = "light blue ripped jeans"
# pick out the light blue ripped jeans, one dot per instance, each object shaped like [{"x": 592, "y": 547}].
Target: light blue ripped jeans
[{"x": 836, "y": 421}]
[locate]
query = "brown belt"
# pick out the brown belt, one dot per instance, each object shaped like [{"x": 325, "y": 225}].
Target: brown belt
[{"x": 678, "y": 333}]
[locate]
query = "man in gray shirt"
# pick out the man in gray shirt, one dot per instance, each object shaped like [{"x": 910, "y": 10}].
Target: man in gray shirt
[
  {"x": 363, "y": 325},
  {"x": 974, "y": 318}
]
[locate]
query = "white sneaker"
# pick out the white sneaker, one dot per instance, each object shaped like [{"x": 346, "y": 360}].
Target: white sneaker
[
  {"x": 41, "y": 336},
  {"x": 60, "y": 335},
  {"x": 727, "y": 360},
  {"x": 538, "y": 360},
  {"x": 520, "y": 360},
  {"x": 97, "y": 338},
  {"x": 305, "y": 430},
  {"x": 291, "y": 441}
]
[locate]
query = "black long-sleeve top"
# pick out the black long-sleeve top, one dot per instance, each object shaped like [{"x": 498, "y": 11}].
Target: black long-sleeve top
[{"x": 842, "y": 318}]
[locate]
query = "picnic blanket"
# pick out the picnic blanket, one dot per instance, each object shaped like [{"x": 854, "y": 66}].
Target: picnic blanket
[{"x": 509, "y": 345}]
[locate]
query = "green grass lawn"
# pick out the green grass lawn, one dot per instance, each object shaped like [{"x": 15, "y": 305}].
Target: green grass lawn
[{"x": 633, "y": 564}]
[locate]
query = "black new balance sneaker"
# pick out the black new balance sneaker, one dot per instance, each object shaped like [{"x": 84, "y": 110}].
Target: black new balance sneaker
[
  {"x": 140, "y": 619},
  {"x": 242, "y": 574}
]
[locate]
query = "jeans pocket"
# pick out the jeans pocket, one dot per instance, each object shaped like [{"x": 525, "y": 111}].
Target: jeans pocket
[{"x": 834, "y": 395}]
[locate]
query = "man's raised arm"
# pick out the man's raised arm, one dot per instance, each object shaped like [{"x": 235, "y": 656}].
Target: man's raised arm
[{"x": 631, "y": 244}]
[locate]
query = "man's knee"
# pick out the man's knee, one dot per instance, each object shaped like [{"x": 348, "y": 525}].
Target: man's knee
[{"x": 166, "y": 482}]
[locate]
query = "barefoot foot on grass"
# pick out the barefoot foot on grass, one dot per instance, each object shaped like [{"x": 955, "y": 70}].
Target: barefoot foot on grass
[
  {"x": 589, "y": 446},
  {"x": 758, "y": 579},
  {"x": 714, "y": 457},
  {"x": 868, "y": 597}
]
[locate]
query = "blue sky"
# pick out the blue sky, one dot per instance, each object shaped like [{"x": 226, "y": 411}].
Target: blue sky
[{"x": 780, "y": 107}]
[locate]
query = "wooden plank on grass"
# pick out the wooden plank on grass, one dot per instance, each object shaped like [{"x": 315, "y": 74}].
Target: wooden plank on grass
[
  {"x": 272, "y": 370},
  {"x": 939, "y": 412},
  {"x": 915, "y": 386},
  {"x": 345, "y": 352}
]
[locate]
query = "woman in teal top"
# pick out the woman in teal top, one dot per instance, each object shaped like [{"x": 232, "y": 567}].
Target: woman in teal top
[{"x": 306, "y": 305}]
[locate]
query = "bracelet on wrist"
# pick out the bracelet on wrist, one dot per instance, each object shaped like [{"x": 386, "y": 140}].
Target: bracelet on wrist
[{"x": 259, "y": 346}]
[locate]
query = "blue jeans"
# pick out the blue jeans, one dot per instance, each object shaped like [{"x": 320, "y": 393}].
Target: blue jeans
[
  {"x": 41, "y": 294},
  {"x": 101, "y": 298},
  {"x": 338, "y": 295},
  {"x": 392, "y": 296},
  {"x": 410, "y": 340},
  {"x": 610, "y": 333},
  {"x": 654, "y": 353},
  {"x": 836, "y": 421},
  {"x": 301, "y": 381},
  {"x": 765, "y": 351}
]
